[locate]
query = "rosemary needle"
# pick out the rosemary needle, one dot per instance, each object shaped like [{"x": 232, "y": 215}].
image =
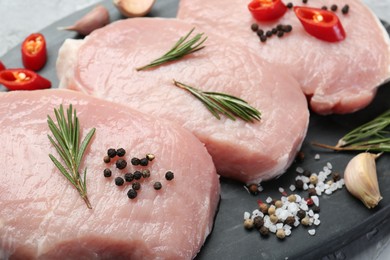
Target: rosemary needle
[
  {"x": 67, "y": 143},
  {"x": 221, "y": 103},
  {"x": 181, "y": 48},
  {"x": 371, "y": 136}
]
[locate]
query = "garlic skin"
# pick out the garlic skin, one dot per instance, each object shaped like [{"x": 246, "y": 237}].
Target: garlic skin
[
  {"x": 95, "y": 19},
  {"x": 134, "y": 8},
  {"x": 361, "y": 179}
]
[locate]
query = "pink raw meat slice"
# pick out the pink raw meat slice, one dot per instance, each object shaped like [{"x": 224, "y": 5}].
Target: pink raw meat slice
[
  {"x": 337, "y": 77},
  {"x": 43, "y": 217},
  {"x": 248, "y": 152}
]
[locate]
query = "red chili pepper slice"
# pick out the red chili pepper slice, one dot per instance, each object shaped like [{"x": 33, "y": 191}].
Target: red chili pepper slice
[
  {"x": 267, "y": 10},
  {"x": 23, "y": 79},
  {"x": 34, "y": 53},
  {"x": 322, "y": 24},
  {"x": 2, "y": 67}
]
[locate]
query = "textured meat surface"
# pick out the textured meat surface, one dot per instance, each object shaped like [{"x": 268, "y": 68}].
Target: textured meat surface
[
  {"x": 41, "y": 214},
  {"x": 338, "y": 77},
  {"x": 243, "y": 151}
]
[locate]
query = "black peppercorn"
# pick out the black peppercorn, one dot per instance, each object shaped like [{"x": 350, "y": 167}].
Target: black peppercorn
[
  {"x": 260, "y": 32},
  {"x": 345, "y": 9},
  {"x": 254, "y": 27},
  {"x": 107, "y": 172},
  {"x": 120, "y": 152},
  {"x": 263, "y": 38},
  {"x": 300, "y": 155},
  {"x": 289, "y": 5},
  {"x": 150, "y": 156},
  {"x": 157, "y": 185},
  {"x": 299, "y": 184},
  {"x": 135, "y": 161},
  {"x": 274, "y": 30},
  {"x": 288, "y": 28},
  {"x": 137, "y": 175},
  {"x": 324, "y": 7},
  {"x": 312, "y": 192},
  {"x": 146, "y": 173},
  {"x": 258, "y": 222},
  {"x": 307, "y": 173},
  {"x": 301, "y": 214},
  {"x": 304, "y": 1},
  {"x": 119, "y": 181},
  {"x": 336, "y": 176},
  {"x": 333, "y": 8},
  {"x": 132, "y": 194},
  {"x": 121, "y": 164},
  {"x": 111, "y": 152},
  {"x": 129, "y": 177},
  {"x": 280, "y": 34},
  {"x": 290, "y": 220},
  {"x": 268, "y": 33},
  {"x": 169, "y": 175},
  {"x": 316, "y": 209},
  {"x": 279, "y": 27},
  {"x": 136, "y": 185},
  {"x": 144, "y": 162},
  {"x": 264, "y": 231},
  {"x": 106, "y": 159}
]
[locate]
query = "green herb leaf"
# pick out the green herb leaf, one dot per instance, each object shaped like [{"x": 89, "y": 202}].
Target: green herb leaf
[
  {"x": 371, "y": 136},
  {"x": 179, "y": 50},
  {"x": 221, "y": 103},
  {"x": 66, "y": 141}
]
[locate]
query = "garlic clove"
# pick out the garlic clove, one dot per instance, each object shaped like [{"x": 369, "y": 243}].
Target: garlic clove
[
  {"x": 95, "y": 19},
  {"x": 134, "y": 8},
  {"x": 361, "y": 179}
]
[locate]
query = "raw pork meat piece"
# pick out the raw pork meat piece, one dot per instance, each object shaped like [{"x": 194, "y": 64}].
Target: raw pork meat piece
[
  {"x": 248, "y": 152},
  {"x": 337, "y": 77},
  {"x": 42, "y": 215}
]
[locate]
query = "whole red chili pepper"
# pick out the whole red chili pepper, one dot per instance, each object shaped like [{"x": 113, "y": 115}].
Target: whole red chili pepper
[
  {"x": 23, "y": 79},
  {"x": 2, "y": 67},
  {"x": 267, "y": 10},
  {"x": 322, "y": 24},
  {"x": 34, "y": 53}
]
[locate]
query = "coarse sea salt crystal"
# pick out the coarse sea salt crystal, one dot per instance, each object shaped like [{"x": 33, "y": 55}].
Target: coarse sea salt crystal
[
  {"x": 287, "y": 232},
  {"x": 257, "y": 213},
  {"x": 329, "y": 165},
  {"x": 260, "y": 188},
  {"x": 296, "y": 223},
  {"x": 286, "y": 227},
  {"x": 293, "y": 208},
  {"x": 316, "y": 200},
  {"x": 311, "y": 213},
  {"x": 281, "y": 190},
  {"x": 305, "y": 179},
  {"x": 272, "y": 228},
  {"x": 298, "y": 198},
  {"x": 312, "y": 232},
  {"x": 305, "y": 187},
  {"x": 292, "y": 187},
  {"x": 247, "y": 215},
  {"x": 316, "y": 222},
  {"x": 317, "y": 157},
  {"x": 279, "y": 226},
  {"x": 304, "y": 207},
  {"x": 311, "y": 186},
  {"x": 299, "y": 170},
  {"x": 328, "y": 191},
  {"x": 268, "y": 200}
]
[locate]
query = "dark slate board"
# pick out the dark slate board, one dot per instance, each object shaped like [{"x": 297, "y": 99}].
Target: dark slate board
[{"x": 343, "y": 218}]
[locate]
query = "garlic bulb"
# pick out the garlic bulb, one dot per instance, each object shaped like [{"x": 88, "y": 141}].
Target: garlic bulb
[{"x": 361, "y": 179}]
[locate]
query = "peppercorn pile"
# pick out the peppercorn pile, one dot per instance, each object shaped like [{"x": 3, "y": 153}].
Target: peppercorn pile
[
  {"x": 133, "y": 178},
  {"x": 281, "y": 216}
]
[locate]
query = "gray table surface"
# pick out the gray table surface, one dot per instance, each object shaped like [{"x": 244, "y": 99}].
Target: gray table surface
[{"x": 18, "y": 18}]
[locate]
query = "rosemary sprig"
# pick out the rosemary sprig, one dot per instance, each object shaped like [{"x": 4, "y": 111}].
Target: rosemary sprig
[
  {"x": 371, "y": 136},
  {"x": 220, "y": 103},
  {"x": 179, "y": 50},
  {"x": 67, "y": 143}
]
